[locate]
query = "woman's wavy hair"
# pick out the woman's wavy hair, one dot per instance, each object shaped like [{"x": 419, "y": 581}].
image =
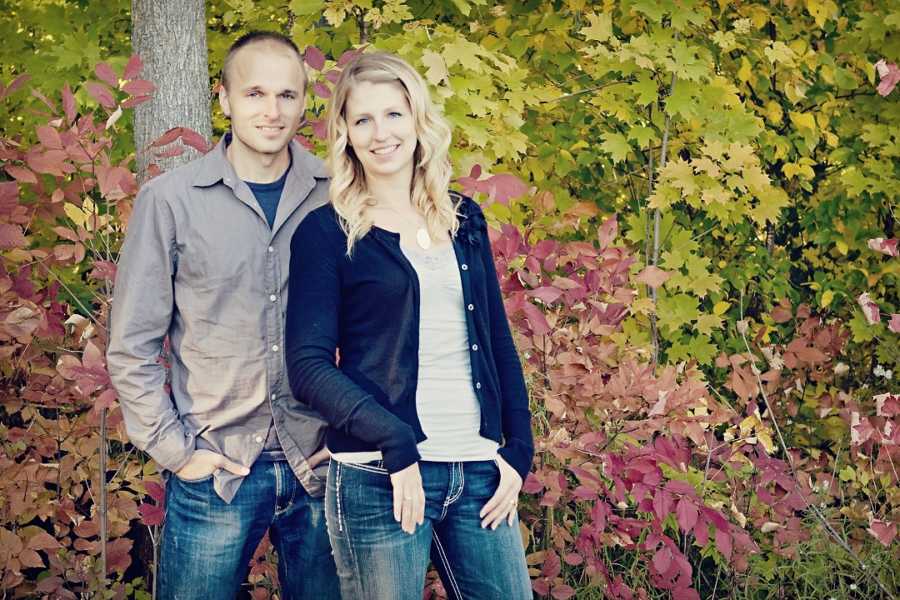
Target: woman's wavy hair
[{"x": 431, "y": 160}]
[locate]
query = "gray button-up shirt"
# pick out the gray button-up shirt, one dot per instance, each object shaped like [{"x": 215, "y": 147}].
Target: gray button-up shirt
[{"x": 201, "y": 265}]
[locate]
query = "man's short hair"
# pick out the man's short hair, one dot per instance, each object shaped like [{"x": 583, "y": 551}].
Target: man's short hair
[{"x": 254, "y": 37}]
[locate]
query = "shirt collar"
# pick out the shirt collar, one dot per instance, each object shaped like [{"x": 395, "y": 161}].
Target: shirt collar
[{"x": 214, "y": 166}]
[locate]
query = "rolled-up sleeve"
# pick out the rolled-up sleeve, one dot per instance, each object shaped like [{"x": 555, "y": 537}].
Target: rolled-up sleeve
[
  {"x": 312, "y": 332},
  {"x": 141, "y": 313}
]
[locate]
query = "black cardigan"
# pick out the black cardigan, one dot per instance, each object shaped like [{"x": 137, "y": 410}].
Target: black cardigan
[{"x": 367, "y": 305}]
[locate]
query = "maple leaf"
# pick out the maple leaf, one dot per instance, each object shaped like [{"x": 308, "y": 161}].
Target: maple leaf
[
  {"x": 869, "y": 308},
  {"x": 436, "y": 71},
  {"x": 616, "y": 146},
  {"x": 600, "y": 28}
]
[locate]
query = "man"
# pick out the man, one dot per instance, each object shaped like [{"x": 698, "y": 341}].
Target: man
[{"x": 205, "y": 261}]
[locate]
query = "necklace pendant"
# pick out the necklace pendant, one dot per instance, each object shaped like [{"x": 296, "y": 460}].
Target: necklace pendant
[{"x": 423, "y": 239}]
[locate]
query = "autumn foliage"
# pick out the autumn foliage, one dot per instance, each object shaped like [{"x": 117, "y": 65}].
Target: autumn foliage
[{"x": 693, "y": 218}]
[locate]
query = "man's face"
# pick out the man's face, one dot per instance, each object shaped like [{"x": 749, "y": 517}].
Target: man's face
[{"x": 264, "y": 99}]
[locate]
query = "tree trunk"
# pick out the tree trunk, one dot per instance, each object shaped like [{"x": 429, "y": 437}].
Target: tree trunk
[{"x": 170, "y": 38}]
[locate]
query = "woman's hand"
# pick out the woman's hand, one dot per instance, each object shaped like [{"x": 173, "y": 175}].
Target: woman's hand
[
  {"x": 409, "y": 498},
  {"x": 505, "y": 501}
]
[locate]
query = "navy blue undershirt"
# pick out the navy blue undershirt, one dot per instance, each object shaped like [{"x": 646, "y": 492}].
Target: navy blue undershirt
[{"x": 268, "y": 195}]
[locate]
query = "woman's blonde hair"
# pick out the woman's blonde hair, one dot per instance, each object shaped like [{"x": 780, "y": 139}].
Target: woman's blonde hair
[{"x": 431, "y": 160}]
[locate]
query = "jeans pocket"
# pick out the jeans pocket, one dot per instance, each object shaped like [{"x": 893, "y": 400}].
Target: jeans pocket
[
  {"x": 193, "y": 481},
  {"x": 374, "y": 466}
]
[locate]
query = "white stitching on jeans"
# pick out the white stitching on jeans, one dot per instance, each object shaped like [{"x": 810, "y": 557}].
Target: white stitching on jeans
[
  {"x": 446, "y": 561},
  {"x": 337, "y": 496},
  {"x": 364, "y": 467},
  {"x": 462, "y": 485}
]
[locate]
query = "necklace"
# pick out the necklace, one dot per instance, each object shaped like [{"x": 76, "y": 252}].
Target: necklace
[{"x": 423, "y": 239}]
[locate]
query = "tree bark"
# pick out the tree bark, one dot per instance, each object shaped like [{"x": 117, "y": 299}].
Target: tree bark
[{"x": 170, "y": 38}]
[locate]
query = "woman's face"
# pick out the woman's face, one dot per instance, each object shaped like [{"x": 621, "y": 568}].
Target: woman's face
[{"x": 381, "y": 130}]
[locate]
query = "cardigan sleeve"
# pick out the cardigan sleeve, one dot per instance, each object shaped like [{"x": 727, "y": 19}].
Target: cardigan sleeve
[
  {"x": 312, "y": 335},
  {"x": 518, "y": 447}
]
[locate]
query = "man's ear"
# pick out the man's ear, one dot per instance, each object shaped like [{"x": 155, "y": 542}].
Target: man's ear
[{"x": 224, "y": 101}]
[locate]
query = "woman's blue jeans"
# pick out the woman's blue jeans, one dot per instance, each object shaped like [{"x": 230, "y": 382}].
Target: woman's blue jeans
[
  {"x": 376, "y": 560},
  {"x": 207, "y": 543}
]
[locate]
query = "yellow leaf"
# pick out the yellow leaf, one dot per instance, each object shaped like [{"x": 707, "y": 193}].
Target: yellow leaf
[
  {"x": 766, "y": 440},
  {"x": 436, "y": 68},
  {"x": 803, "y": 120},
  {"x": 600, "y": 28},
  {"x": 842, "y": 247},
  {"x": 827, "y": 297},
  {"x": 746, "y": 71},
  {"x": 721, "y": 307},
  {"x": 78, "y": 216}
]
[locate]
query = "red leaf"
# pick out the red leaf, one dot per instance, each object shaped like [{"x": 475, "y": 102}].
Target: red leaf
[
  {"x": 101, "y": 93},
  {"x": 319, "y": 129},
  {"x": 333, "y": 75},
  {"x": 608, "y": 231},
  {"x": 562, "y": 592},
  {"x": 106, "y": 400},
  {"x": 321, "y": 90},
  {"x": 349, "y": 55},
  {"x": 547, "y": 294},
  {"x": 552, "y": 565},
  {"x": 869, "y": 308},
  {"x": 31, "y": 559},
  {"x": 47, "y": 101},
  {"x": 11, "y": 236},
  {"x": 134, "y": 101},
  {"x": 167, "y": 138},
  {"x": 889, "y": 77},
  {"x": 884, "y": 246},
  {"x": 118, "y": 555},
  {"x": 505, "y": 186},
  {"x": 811, "y": 355},
  {"x": 139, "y": 87},
  {"x": 781, "y": 314},
  {"x": 652, "y": 276},
  {"x": 22, "y": 174},
  {"x": 155, "y": 491},
  {"x": 87, "y": 528},
  {"x": 723, "y": 543},
  {"x": 104, "y": 270},
  {"x": 894, "y": 324},
  {"x": 51, "y": 162},
  {"x": 42, "y": 541},
  {"x": 133, "y": 68},
  {"x": 686, "y": 514},
  {"x": 883, "y": 532},
  {"x": 106, "y": 74},
  {"x": 662, "y": 560},
  {"x": 532, "y": 484},
  {"x": 69, "y": 103},
  {"x": 573, "y": 558},
  {"x": 536, "y": 319},
  {"x": 14, "y": 86},
  {"x": 314, "y": 58},
  {"x": 49, "y": 585},
  {"x": 193, "y": 139},
  {"x": 49, "y": 137},
  {"x": 151, "y": 514}
]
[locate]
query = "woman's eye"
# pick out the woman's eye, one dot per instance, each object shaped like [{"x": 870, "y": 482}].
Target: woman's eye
[{"x": 361, "y": 121}]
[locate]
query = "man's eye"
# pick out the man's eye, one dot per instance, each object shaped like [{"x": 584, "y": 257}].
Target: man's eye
[{"x": 395, "y": 114}]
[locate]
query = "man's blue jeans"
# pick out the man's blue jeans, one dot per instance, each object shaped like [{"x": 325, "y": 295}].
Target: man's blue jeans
[
  {"x": 376, "y": 560},
  {"x": 207, "y": 544}
]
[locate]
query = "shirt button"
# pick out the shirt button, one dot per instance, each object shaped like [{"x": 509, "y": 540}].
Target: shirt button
[
  {"x": 275, "y": 348},
  {"x": 258, "y": 439},
  {"x": 475, "y": 347},
  {"x": 471, "y": 307},
  {"x": 271, "y": 249},
  {"x": 273, "y": 396},
  {"x": 464, "y": 267},
  {"x": 477, "y": 385},
  {"x": 273, "y": 297}
]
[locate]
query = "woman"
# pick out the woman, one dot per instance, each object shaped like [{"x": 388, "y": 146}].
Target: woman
[{"x": 397, "y": 274}]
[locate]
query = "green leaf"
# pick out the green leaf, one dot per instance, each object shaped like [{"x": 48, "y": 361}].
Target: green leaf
[
  {"x": 600, "y": 28},
  {"x": 676, "y": 311},
  {"x": 616, "y": 146},
  {"x": 306, "y": 7}
]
